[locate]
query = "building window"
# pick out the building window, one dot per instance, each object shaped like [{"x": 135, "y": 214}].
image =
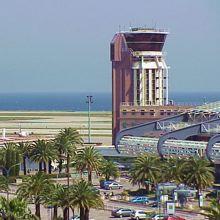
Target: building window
[
  {"x": 133, "y": 112},
  {"x": 152, "y": 112},
  {"x": 162, "y": 112},
  {"x": 168, "y": 112},
  {"x": 142, "y": 112},
  {"x": 124, "y": 112}
]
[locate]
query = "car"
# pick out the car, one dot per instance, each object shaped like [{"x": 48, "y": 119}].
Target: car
[
  {"x": 119, "y": 165},
  {"x": 75, "y": 217},
  {"x": 140, "y": 214},
  {"x": 113, "y": 185},
  {"x": 159, "y": 216},
  {"x": 140, "y": 200},
  {"x": 173, "y": 218},
  {"x": 105, "y": 182},
  {"x": 123, "y": 212},
  {"x": 154, "y": 204}
]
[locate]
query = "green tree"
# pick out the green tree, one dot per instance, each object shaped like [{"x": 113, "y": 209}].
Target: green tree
[
  {"x": 15, "y": 209},
  {"x": 212, "y": 211},
  {"x": 109, "y": 169},
  {"x": 173, "y": 169},
  {"x": 88, "y": 159},
  {"x": 10, "y": 159},
  {"x": 66, "y": 143},
  {"x": 60, "y": 196},
  {"x": 43, "y": 152},
  {"x": 56, "y": 197},
  {"x": 34, "y": 188},
  {"x": 199, "y": 173},
  {"x": 84, "y": 196},
  {"x": 25, "y": 149},
  {"x": 4, "y": 184},
  {"x": 145, "y": 170}
]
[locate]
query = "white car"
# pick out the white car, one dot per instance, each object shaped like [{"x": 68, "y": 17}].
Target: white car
[
  {"x": 139, "y": 214},
  {"x": 113, "y": 185},
  {"x": 159, "y": 216},
  {"x": 77, "y": 217}
]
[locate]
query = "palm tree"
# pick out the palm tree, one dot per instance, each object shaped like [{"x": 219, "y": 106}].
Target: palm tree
[
  {"x": 88, "y": 159},
  {"x": 199, "y": 173},
  {"x": 43, "y": 152},
  {"x": 14, "y": 209},
  {"x": 66, "y": 142},
  {"x": 34, "y": 188},
  {"x": 173, "y": 169},
  {"x": 10, "y": 159},
  {"x": 212, "y": 211},
  {"x": 84, "y": 197},
  {"x": 109, "y": 169},
  {"x": 25, "y": 152},
  {"x": 145, "y": 170},
  {"x": 4, "y": 184},
  {"x": 56, "y": 198}
]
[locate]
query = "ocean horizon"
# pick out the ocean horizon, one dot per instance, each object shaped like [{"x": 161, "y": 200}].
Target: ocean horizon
[{"x": 77, "y": 101}]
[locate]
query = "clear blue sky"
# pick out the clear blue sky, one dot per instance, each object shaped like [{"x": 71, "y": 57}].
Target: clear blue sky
[{"x": 59, "y": 46}]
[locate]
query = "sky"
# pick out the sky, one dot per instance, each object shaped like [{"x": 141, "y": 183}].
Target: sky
[{"x": 63, "y": 45}]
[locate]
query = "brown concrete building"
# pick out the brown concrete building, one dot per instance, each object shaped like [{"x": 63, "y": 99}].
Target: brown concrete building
[{"x": 139, "y": 78}]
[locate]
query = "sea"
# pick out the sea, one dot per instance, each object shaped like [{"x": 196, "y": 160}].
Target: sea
[{"x": 77, "y": 101}]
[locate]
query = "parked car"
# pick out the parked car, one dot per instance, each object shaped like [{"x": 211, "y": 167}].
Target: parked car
[
  {"x": 140, "y": 214},
  {"x": 123, "y": 212},
  {"x": 120, "y": 166},
  {"x": 75, "y": 217},
  {"x": 105, "y": 182},
  {"x": 153, "y": 204},
  {"x": 113, "y": 185},
  {"x": 173, "y": 218},
  {"x": 159, "y": 216},
  {"x": 140, "y": 200}
]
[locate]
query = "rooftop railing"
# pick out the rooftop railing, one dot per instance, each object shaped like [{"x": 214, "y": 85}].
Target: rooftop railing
[{"x": 156, "y": 104}]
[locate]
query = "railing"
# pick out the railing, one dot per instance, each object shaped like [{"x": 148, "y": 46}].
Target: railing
[{"x": 156, "y": 104}]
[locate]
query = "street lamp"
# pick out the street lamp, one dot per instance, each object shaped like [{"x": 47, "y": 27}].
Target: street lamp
[{"x": 89, "y": 102}]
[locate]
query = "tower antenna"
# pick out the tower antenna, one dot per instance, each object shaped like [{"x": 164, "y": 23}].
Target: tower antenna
[{"x": 130, "y": 28}]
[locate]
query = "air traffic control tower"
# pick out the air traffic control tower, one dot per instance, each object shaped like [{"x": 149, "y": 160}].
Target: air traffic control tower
[{"x": 139, "y": 78}]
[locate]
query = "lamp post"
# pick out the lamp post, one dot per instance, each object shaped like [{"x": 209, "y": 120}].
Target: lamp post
[{"x": 89, "y": 102}]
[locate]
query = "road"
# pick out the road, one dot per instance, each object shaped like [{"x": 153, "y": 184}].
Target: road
[{"x": 109, "y": 205}]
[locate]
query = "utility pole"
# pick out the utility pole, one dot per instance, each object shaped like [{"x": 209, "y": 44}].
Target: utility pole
[{"x": 89, "y": 102}]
